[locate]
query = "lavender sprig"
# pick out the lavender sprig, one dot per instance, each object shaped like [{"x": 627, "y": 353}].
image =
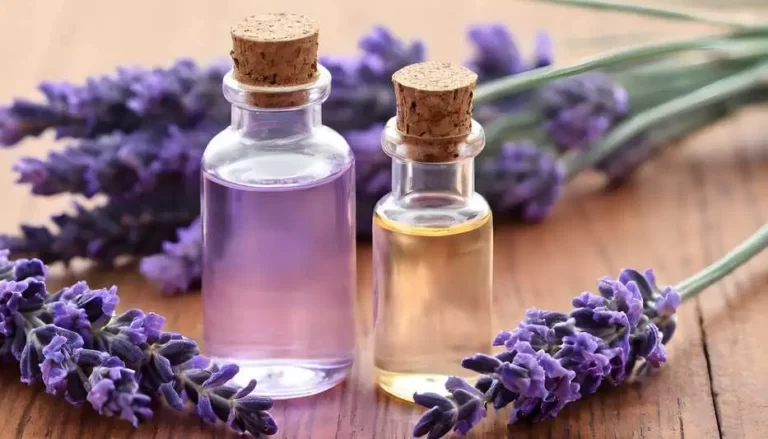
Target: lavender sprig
[
  {"x": 120, "y": 227},
  {"x": 361, "y": 86},
  {"x": 552, "y": 358},
  {"x": 132, "y": 99},
  {"x": 497, "y": 55},
  {"x": 122, "y": 165},
  {"x": 71, "y": 342},
  {"x": 521, "y": 180},
  {"x": 579, "y": 110},
  {"x": 179, "y": 267}
]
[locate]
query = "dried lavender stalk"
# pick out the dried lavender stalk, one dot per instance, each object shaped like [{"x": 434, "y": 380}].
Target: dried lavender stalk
[
  {"x": 72, "y": 342},
  {"x": 552, "y": 358},
  {"x": 132, "y": 99},
  {"x": 121, "y": 227},
  {"x": 122, "y": 165}
]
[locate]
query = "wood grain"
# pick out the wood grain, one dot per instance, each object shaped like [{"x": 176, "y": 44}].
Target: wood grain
[{"x": 681, "y": 212}]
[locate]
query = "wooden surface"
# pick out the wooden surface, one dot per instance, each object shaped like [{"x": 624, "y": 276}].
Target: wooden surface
[{"x": 680, "y": 213}]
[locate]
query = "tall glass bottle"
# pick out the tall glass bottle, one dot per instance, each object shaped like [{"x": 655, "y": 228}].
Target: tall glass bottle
[
  {"x": 278, "y": 212},
  {"x": 432, "y": 236}
]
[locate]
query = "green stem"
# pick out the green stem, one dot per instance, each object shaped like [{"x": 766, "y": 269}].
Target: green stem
[
  {"x": 707, "y": 95},
  {"x": 693, "y": 122},
  {"x": 654, "y": 11},
  {"x": 644, "y": 95},
  {"x": 524, "y": 125},
  {"x": 695, "y": 284},
  {"x": 516, "y": 83}
]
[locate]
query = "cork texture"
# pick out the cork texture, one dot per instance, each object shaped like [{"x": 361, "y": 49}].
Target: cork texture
[
  {"x": 434, "y": 99},
  {"x": 278, "y": 100},
  {"x": 435, "y": 150},
  {"x": 275, "y": 50}
]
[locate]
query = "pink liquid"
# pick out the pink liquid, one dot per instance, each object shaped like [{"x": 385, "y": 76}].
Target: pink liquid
[{"x": 279, "y": 281}]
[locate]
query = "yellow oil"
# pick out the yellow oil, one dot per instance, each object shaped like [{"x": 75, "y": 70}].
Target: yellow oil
[{"x": 433, "y": 290}]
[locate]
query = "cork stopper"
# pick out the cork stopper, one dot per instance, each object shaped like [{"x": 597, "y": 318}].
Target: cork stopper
[
  {"x": 275, "y": 50},
  {"x": 434, "y": 108}
]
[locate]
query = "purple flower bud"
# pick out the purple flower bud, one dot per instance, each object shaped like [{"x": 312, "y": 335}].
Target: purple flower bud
[
  {"x": 523, "y": 181},
  {"x": 29, "y": 269},
  {"x": 496, "y": 55},
  {"x": 221, "y": 376},
  {"x": 623, "y": 162},
  {"x": 667, "y": 303},
  {"x": 658, "y": 356},
  {"x": 129, "y": 100},
  {"x": 172, "y": 396},
  {"x": 89, "y": 358},
  {"x": 68, "y": 316},
  {"x": 205, "y": 409},
  {"x": 180, "y": 265},
  {"x": 115, "y": 391},
  {"x": 429, "y": 421},
  {"x": 179, "y": 351},
  {"x": 579, "y": 110},
  {"x": 362, "y": 93},
  {"x": 481, "y": 363}
]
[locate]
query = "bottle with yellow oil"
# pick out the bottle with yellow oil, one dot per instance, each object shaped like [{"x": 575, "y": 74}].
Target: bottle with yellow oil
[{"x": 432, "y": 236}]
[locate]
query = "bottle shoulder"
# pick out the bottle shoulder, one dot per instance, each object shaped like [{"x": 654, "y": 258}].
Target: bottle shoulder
[
  {"x": 300, "y": 160},
  {"x": 431, "y": 211}
]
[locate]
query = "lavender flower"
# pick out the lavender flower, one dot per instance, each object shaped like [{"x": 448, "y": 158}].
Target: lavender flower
[
  {"x": 496, "y": 55},
  {"x": 361, "y": 87},
  {"x": 620, "y": 165},
  {"x": 56, "y": 356},
  {"x": 207, "y": 385},
  {"x": 125, "y": 165},
  {"x": 132, "y": 99},
  {"x": 373, "y": 170},
  {"x": 445, "y": 414},
  {"x": 523, "y": 180},
  {"x": 579, "y": 110},
  {"x": 17, "y": 296},
  {"x": 115, "y": 391},
  {"x": 179, "y": 266},
  {"x": 552, "y": 359},
  {"x": 120, "y": 227},
  {"x": 122, "y": 362}
]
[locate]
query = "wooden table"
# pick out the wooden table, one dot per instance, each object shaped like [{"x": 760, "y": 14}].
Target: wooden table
[{"x": 681, "y": 212}]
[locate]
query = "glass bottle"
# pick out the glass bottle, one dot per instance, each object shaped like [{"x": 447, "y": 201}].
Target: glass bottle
[
  {"x": 432, "y": 250},
  {"x": 278, "y": 212}
]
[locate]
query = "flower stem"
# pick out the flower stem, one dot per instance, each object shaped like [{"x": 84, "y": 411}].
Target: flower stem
[
  {"x": 524, "y": 81},
  {"x": 715, "y": 92},
  {"x": 695, "y": 284},
  {"x": 654, "y": 11}
]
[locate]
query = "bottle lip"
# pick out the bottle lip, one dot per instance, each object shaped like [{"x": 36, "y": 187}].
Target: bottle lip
[
  {"x": 282, "y": 98},
  {"x": 401, "y": 146}
]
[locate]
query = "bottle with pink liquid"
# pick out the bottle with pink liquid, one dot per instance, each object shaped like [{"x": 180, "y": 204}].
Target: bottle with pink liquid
[{"x": 278, "y": 214}]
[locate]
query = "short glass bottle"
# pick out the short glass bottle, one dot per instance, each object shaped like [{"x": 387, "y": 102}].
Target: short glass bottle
[
  {"x": 433, "y": 257},
  {"x": 279, "y": 269}
]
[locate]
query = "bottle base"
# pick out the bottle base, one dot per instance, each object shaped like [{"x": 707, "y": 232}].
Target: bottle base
[
  {"x": 404, "y": 385},
  {"x": 294, "y": 378}
]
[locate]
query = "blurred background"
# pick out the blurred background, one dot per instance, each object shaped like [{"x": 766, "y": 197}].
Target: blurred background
[{"x": 67, "y": 40}]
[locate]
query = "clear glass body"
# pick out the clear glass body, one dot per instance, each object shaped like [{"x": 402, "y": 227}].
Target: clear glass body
[
  {"x": 279, "y": 246},
  {"x": 433, "y": 261}
]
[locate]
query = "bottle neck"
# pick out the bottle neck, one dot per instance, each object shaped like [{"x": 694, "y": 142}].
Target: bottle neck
[
  {"x": 259, "y": 124},
  {"x": 453, "y": 181}
]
